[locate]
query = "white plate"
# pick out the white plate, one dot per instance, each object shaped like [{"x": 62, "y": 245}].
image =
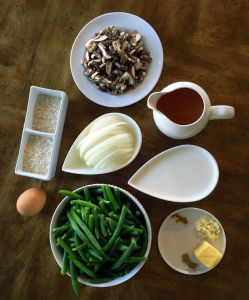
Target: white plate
[
  {"x": 121, "y": 21},
  {"x": 175, "y": 239},
  {"x": 73, "y": 163},
  {"x": 181, "y": 174}
]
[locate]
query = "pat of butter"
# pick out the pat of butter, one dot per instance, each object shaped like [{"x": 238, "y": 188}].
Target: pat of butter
[{"x": 207, "y": 254}]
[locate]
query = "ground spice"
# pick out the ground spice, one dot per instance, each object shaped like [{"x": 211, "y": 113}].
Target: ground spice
[
  {"x": 179, "y": 218},
  {"x": 186, "y": 260}
]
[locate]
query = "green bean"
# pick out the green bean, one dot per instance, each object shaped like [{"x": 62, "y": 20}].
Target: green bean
[
  {"x": 94, "y": 259},
  {"x": 86, "y": 230},
  {"x": 145, "y": 242},
  {"x": 71, "y": 240},
  {"x": 93, "y": 253},
  {"x": 127, "y": 269},
  {"x": 87, "y": 213},
  {"x": 74, "y": 279},
  {"x": 112, "y": 199},
  {"x": 80, "y": 247},
  {"x": 117, "y": 195},
  {"x": 130, "y": 259},
  {"x": 111, "y": 273},
  {"x": 81, "y": 252},
  {"x": 109, "y": 233},
  {"x": 64, "y": 263},
  {"x": 112, "y": 224},
  {"x": 132, "y": 217},
  {"x": 133, "y": 233},
  {"x": 84, "y": 238},
  {"x": 138, "y": 213},
  {"x": 57, "y": 234},
  {"x": 91, "y": 223},
  {"x": 99, "y": 280},
  {"x": 102, "y": 239},
  {"x": 128, "y": 205},
  {"x": 100, "y": 199},
  {"x": 121, "y": 274},
  {"x": 117, "y": 230},
  {"x": 96, "y": 223},
  {"x": 87, "y": 194},
  {"x": 82, "y": 267},
  {"x": 67, "y": 234},
  {"x": 67, "y": 248},
  {"x": 131, "y": 228},
  {"x": 82, "y": 210},
  {"x": 105, "y": 192},
  {"x": 124, "y": 256},
  {"x": 120, "y": 268},
  {"x": 96, "y": 267},
  {"x": 122, "y": 248},
  {"x": 71, "y": 194},
  {"x": 135, "y": 229},
  {"x": 114, "y": 246},
  {"x": 86, "y": 204},
  {"x": 97, "y": 190},
  {"x": 78, "y": 212},
  {"x": 102, "y": 205},
  {"x": 62, "y": 228},
  {"x": 102, "y": 225},
  {"x": 125, "y": 242},
  {"x": 72, "y": 245}
]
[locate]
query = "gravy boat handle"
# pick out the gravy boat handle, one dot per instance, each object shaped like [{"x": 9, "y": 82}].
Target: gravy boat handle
[{"x": 221, "y": 112}]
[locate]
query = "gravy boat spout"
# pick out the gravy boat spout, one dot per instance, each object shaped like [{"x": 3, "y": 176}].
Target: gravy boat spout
[{"x": 152, "y": 101}]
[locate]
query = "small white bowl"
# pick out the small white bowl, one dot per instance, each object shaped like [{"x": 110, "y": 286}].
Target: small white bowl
[
  {"x": 35, "y": 91},
  {"x": 121, "y": 21},
  {"x": 73, "y": 163},
  {"x": 58, "y": 254}
]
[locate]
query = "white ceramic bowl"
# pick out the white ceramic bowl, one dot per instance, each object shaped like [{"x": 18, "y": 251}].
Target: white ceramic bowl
[
  {"x": 58, "y": 254},
  {"x": 121, "y": 21},
  {"x": 73, "y": 163}
]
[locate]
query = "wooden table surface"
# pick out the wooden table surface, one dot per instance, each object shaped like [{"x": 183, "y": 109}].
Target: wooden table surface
[{"x": 205, "y": 42}]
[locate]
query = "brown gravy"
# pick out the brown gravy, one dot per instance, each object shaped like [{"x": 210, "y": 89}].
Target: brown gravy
[{"x": 183, "y": 106}]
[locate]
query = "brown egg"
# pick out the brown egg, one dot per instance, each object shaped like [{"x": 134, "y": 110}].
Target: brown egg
[{"x": 31, "y": 202}]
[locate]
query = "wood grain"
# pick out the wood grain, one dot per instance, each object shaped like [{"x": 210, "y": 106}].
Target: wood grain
[{"x": 205, "y": 42}]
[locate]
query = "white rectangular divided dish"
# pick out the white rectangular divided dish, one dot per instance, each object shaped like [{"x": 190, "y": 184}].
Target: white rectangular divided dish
[{"x": 53, "y": 138}]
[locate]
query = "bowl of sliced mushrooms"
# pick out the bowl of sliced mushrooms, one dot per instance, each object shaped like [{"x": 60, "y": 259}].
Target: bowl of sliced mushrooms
[{"x": 116, "y": 59}]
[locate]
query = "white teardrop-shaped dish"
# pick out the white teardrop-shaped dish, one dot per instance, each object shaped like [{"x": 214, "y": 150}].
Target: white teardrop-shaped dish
[
  {"x": 181, "y": 174},
  {"x": 73, "y": 163}
]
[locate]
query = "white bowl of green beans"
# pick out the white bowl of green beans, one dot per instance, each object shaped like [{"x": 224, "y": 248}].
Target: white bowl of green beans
[{"x": 100, "y": 235}]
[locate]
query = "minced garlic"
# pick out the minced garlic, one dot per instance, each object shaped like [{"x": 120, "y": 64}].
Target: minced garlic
[{"x": 207, "y": 228}]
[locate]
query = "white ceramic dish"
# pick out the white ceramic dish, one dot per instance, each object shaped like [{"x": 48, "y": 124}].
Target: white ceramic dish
[
  {"x": 181, "y": 174},
  {"x": 121, "y": 21},
  {"x": 27, "y": 131},
  {"x": 58, "y": 254},
  {"x": 175, "y": 239},
  {"x": 73, "y": 163}
]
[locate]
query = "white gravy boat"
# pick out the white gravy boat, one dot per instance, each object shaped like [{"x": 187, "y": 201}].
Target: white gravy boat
[{"x": 176, "y": 131}]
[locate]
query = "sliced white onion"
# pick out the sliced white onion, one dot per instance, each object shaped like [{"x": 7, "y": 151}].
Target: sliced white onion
[
  {"x": 110, "y": 157},
  {"x": 119, "y": 140},
  {"x": 103, "y": 122}
]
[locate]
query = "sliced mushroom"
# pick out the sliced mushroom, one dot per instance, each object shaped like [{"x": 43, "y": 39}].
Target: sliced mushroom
[
  {"x": 96, "y": 55},
  {"x": 123, "y": 58},
  {"x": 124, "y": 46},
  {"x": 138, "y": 65},
  {"x": 114, "y": 31},
  {"x": 102, "y": 89},
  {"x": 87, "y": 56},
  {"x": 86, "y": 73},
  {"x": 124, "y": 77},
  {"x": 93, "y": 76},
  {"x": 122, "y": 32},
  {"x": 102, "y": 48},
  {"x": 102, "y": 66},
  {"x": 102, "y": 31},
  {"x": 89, "y": 44},
  {"x": 100, "y": 38},
  {"x": 116, "y": 45},
  {"x": 108, "y": 67}
]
